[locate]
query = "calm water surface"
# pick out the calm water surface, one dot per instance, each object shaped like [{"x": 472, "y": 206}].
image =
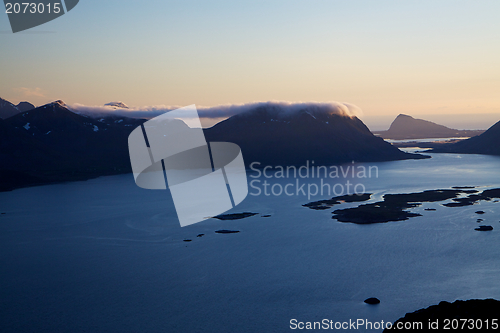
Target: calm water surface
[{"x": 106, "y": 256}]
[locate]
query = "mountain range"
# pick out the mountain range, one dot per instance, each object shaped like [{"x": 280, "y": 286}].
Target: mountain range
[
  {"x": 405, "y": 127},
  {"x": 51, "y": 144},
  {"x": 7, "y": 109}
]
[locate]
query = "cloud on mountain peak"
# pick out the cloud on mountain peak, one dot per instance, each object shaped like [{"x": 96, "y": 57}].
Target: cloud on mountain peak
[{"x": 219, "y": 112}]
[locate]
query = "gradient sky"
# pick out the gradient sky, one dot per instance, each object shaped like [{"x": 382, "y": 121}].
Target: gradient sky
[{"x": 387, "y": 57}]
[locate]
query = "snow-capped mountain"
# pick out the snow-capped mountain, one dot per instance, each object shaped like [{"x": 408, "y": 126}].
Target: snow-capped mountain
[
  {"x": 55, "y": 118},
  {"x": 51, "y": 143}
]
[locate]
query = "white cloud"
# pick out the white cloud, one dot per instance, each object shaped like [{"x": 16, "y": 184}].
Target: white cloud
[{"x": 222, "y": 111}]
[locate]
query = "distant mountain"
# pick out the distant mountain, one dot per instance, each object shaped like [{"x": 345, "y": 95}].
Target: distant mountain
[
  {"x": 52, "y": 144},
  {"x": 7, "y": 109},
  {"x": 25, "y": 106},
  {"x": 116, "y": 105},
  {"x": 486, "y": 143},
  {"x": 407, "y": 127},
  {"x": 272, "y": 136}
]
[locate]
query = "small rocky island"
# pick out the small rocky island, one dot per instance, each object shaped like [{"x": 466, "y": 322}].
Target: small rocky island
[
  {"x": 486, "y": 195},
  {"x": 235, "y": 216},
  {"x": 224, "y": 231},
  {"x": 484, "y": 228}
]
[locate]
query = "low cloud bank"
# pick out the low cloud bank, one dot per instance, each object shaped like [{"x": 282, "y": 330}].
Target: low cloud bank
[{"x": 222, "y": 111}]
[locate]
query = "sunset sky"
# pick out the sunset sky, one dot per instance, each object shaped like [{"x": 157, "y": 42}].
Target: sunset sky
[{"x": 387, "y": 57}]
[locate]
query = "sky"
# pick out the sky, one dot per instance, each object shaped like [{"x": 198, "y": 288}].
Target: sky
[{"x": 386, "y": 57}]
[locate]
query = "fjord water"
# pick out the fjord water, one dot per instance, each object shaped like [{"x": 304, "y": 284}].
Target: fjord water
[{"x": 106, "y": 256}]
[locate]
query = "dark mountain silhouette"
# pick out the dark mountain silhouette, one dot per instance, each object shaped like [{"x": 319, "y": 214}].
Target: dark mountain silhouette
[
  {"x": 272, "y": 136},
  {"x": 486, "y": 143},
  {"x": 407, "y": 127},
  {"x": 25, "y": 106},
  {"x": 52, "y": 144},
  {"x": 7, "y": 109}
]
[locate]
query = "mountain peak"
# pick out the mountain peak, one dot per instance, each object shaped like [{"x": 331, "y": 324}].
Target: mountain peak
[
  {"x": 117, "y": 105},
  {"x": 407, "y": 127},
  {"x": 404, "y": 124},
  {"x": 25, "y": 106},
  {"x": 274, "y": 134},
  {"x": 7, "y": 109},
  {"x": 402, "y": 115},
  {"x": 299, "y": 112},
  {"x": 59, "y": 102}
]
